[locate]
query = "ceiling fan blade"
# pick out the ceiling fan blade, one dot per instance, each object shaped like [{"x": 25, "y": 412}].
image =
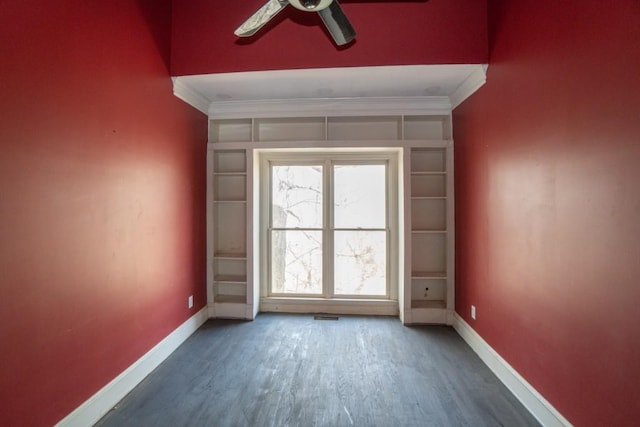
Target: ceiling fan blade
[
  {"x": 260, "y": 18},
  {"x": 337, "y": 23}
]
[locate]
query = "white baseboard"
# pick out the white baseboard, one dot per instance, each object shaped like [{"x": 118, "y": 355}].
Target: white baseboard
[
  {"x": 539, "y": 407},
  {"x": 100, "y": 403}
]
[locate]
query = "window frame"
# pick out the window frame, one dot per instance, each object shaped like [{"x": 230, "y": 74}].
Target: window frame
[{"x": 328, "y": 158}]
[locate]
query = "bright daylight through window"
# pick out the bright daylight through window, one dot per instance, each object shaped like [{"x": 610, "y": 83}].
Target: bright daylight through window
[{"x": 328, "y": 227}]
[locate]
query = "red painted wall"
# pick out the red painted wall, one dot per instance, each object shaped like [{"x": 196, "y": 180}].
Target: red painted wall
[
  {"x": 548, "y": 203},
  {"x": 102, "y": 199},
  {"x": 389, "y": 33}
]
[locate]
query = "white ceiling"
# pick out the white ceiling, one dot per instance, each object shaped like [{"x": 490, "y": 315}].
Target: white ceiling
[{"x": 411, "y": 81}]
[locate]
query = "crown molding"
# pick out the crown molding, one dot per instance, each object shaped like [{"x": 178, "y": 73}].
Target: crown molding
[
  {"x": 197, "y": 92},
  {"x": 189, "y": 95},
  {"x": 471, "y": 84},
  {"x": 414, "y": 105}
]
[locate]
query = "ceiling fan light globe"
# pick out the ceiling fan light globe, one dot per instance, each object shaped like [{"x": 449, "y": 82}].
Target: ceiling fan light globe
[{"x": 310, "y": 5}]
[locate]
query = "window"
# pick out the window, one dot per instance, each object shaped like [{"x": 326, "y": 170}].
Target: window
[{"x": 328, "y": 221}]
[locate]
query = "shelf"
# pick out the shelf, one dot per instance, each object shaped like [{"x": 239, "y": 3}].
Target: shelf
[
  {"x": 230, "y": 230},
  {"x": 230, "y": 279},
  {"x": 428, "y": 252},
  {"x": 331, "y": 128},
  {"x": 242, "y": 173},
  {"x": 420, "y": 275},
  {"x": 426, "y": 185},
  {"x": 230, "y": 187},
  {"x": 230, "y": 299},
  {"x": 364, "y": 128},
  {"x": 229, "y": 162},
  {"x": 234, "y": 269},
  {"x": 231, "y": 289},
  {"x": 428, "y": 160},
  {"x": 427, "y": 127},
  {"x": 428, "y": 173},
  {"x": 429, "y": 288},
  {"x": 290, "y": 129},
  {"x": 234, "y": 130},
  {"x": 231, "y": 256},
  {"x": 429, "y": 214}
]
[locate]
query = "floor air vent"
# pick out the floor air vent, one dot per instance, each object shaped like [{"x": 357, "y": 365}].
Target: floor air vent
[{"x": 325, "y": 317}]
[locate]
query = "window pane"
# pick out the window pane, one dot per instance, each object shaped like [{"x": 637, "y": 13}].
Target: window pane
[
  {"x": 360, "y": 196},
  {"x": 296, "y": 262},
  {"x": 360, "y": 266},
  {"x": 296, "y": 196}
]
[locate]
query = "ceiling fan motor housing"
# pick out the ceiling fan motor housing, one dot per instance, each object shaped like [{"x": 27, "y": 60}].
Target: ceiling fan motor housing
[{"x": 310, "y": 5}]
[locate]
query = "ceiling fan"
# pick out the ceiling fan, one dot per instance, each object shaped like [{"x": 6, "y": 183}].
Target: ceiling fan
[{"x": 329, "y": 10}]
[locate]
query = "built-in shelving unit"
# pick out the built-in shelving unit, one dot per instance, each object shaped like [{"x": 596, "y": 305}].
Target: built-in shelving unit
[
  {"x": 426, "y": 293},
  {"x": 328, "y": 128},
  {"x": 229, "y": 261},
  {"x": 428, "y": 190}
]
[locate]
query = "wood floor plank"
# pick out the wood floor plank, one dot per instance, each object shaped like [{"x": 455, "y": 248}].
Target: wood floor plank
[{"x": 292, "y": 370}]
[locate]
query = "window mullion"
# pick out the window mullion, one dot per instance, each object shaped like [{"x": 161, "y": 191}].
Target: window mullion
[{"x": 328, "y": 231}]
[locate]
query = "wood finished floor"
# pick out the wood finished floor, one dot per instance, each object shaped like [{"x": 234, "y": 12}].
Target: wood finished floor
[{"x": 292, "y": 370}]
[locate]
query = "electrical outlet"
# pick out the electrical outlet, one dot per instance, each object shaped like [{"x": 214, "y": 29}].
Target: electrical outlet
[
  {"x": 473, "y": 312},
  {"x": 190, "y": 301}
]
